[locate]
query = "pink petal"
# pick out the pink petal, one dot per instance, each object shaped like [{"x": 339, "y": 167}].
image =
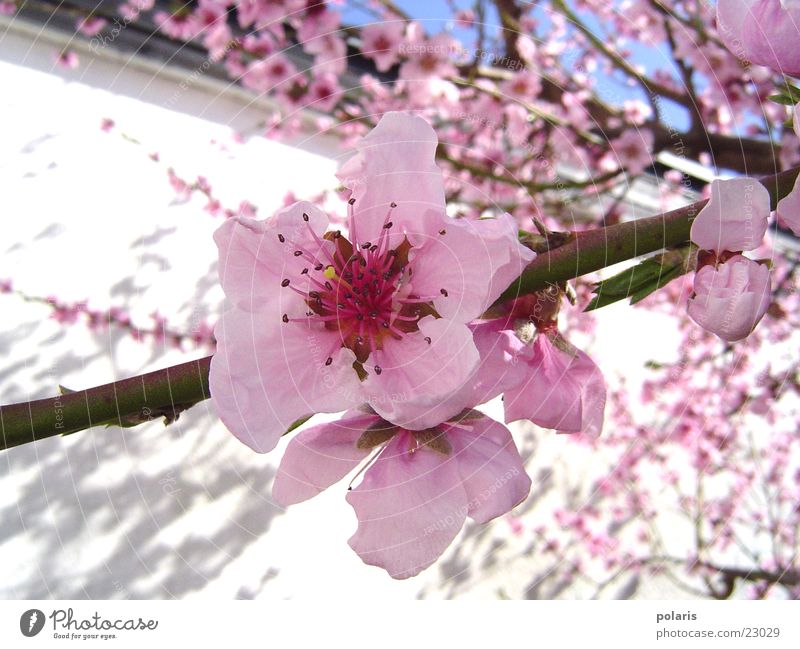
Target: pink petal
[
  {"x": 253, "y": 261},
  {"x": 395, "y": 163},
  {"x": 320, "y": 456},
  {"x": 266, "y": 374},
  {"x": 473, "y": 261},
  {"x": 490, "y": 467},
  {"x": 789, "y": 209},
  {"x": 499, "y": 368},
  {"x": 410, "y": 506},
  {"x": 418, "y": 378},
  {"x": 564, "y": 390},
  {"x": 761, "y": 31},
  {"x": 735, "y": 217}
]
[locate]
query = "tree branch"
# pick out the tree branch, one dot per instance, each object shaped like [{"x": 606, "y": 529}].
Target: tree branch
[{"x": 168, "y": 392}]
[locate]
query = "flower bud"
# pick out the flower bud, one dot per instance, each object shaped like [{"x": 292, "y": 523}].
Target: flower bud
[{"x": 732, "y": 298}]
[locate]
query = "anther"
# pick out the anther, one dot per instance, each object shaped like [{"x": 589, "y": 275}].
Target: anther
[
  {"x": 285, "y": 318},
  {"x": 378, "y": 369},
  {"x": 442, "y": 231},
  {"x": 319, "y": 266},
  {"x": 392, "y": 204},
  {"x": 428, "y": 339},
  {"x": 297, "y": 253},
  {"x": 305, "y": 217},
  {"x": 352, "y": 201},
  {"x": 366, "y": 245},
  {"x": 304, "y": 271},
  {"x": 329, "y": 361},
  {"x": 443, "y": 292},
  {"x": 281, "y": 238},
  {"x": 329, "y": 286},
  {"x": 388, "y": 225},
  {"x": 285, "y": 283}
]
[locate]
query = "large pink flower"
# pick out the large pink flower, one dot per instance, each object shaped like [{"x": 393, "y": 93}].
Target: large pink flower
[
  {"x": 731, "y": 298},
  {"x": 417, "y": 492},
  {"x": 762, "y": 31},
  {"x": 323, "y": 321}
]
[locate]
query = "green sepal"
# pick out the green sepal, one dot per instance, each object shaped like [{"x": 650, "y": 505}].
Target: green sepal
[{"x": 641, "y": 280}]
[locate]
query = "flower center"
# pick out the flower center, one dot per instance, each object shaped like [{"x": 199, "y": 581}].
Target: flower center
[{"x": 361, "y": 290}]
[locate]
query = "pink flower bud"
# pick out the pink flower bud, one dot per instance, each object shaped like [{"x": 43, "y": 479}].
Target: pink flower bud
[
  {"x": 730, "y": 299},
  {"x": 735, "y": 217}
]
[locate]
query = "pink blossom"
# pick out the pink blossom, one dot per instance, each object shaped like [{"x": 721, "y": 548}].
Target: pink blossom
[
  {"x": 632, "y": 150},
  {"x": 7, "y": 8},
  {"x": 179, "y": 26},
  {"x": 429, "y": 59},
  {"x": 731, "y": 298},
  {"x": 380, "y": 42},
  {"x": 89, "y": 25},
  {"x": 262, "y": 13},
  {"x": 265, "y": 75},
  {"x": 762, "y": 31},
  {"x": 524, "y": 85},
  {"x": 563, "y": 389},
  {"x": 416, "y": 494},
  {"x": 319, "y": 35},
  {"x": 323, "y": 92},
  {"x": 322, "y": 323},
  {"x": 66, "y": 59},
  {"x": 735, "y": 217}
]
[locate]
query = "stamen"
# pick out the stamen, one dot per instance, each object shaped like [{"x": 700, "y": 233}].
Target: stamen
[{"x": 284, "y": 283}]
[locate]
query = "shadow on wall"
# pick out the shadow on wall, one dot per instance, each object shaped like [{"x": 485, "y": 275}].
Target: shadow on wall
[{"x": 112, "y": 513}]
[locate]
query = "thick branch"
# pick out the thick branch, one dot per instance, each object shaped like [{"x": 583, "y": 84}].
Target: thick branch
[
  {"x": 168, "y": 392},
  {"x": 588, "y": 251},
  {"x": 164, "y": 393}
]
